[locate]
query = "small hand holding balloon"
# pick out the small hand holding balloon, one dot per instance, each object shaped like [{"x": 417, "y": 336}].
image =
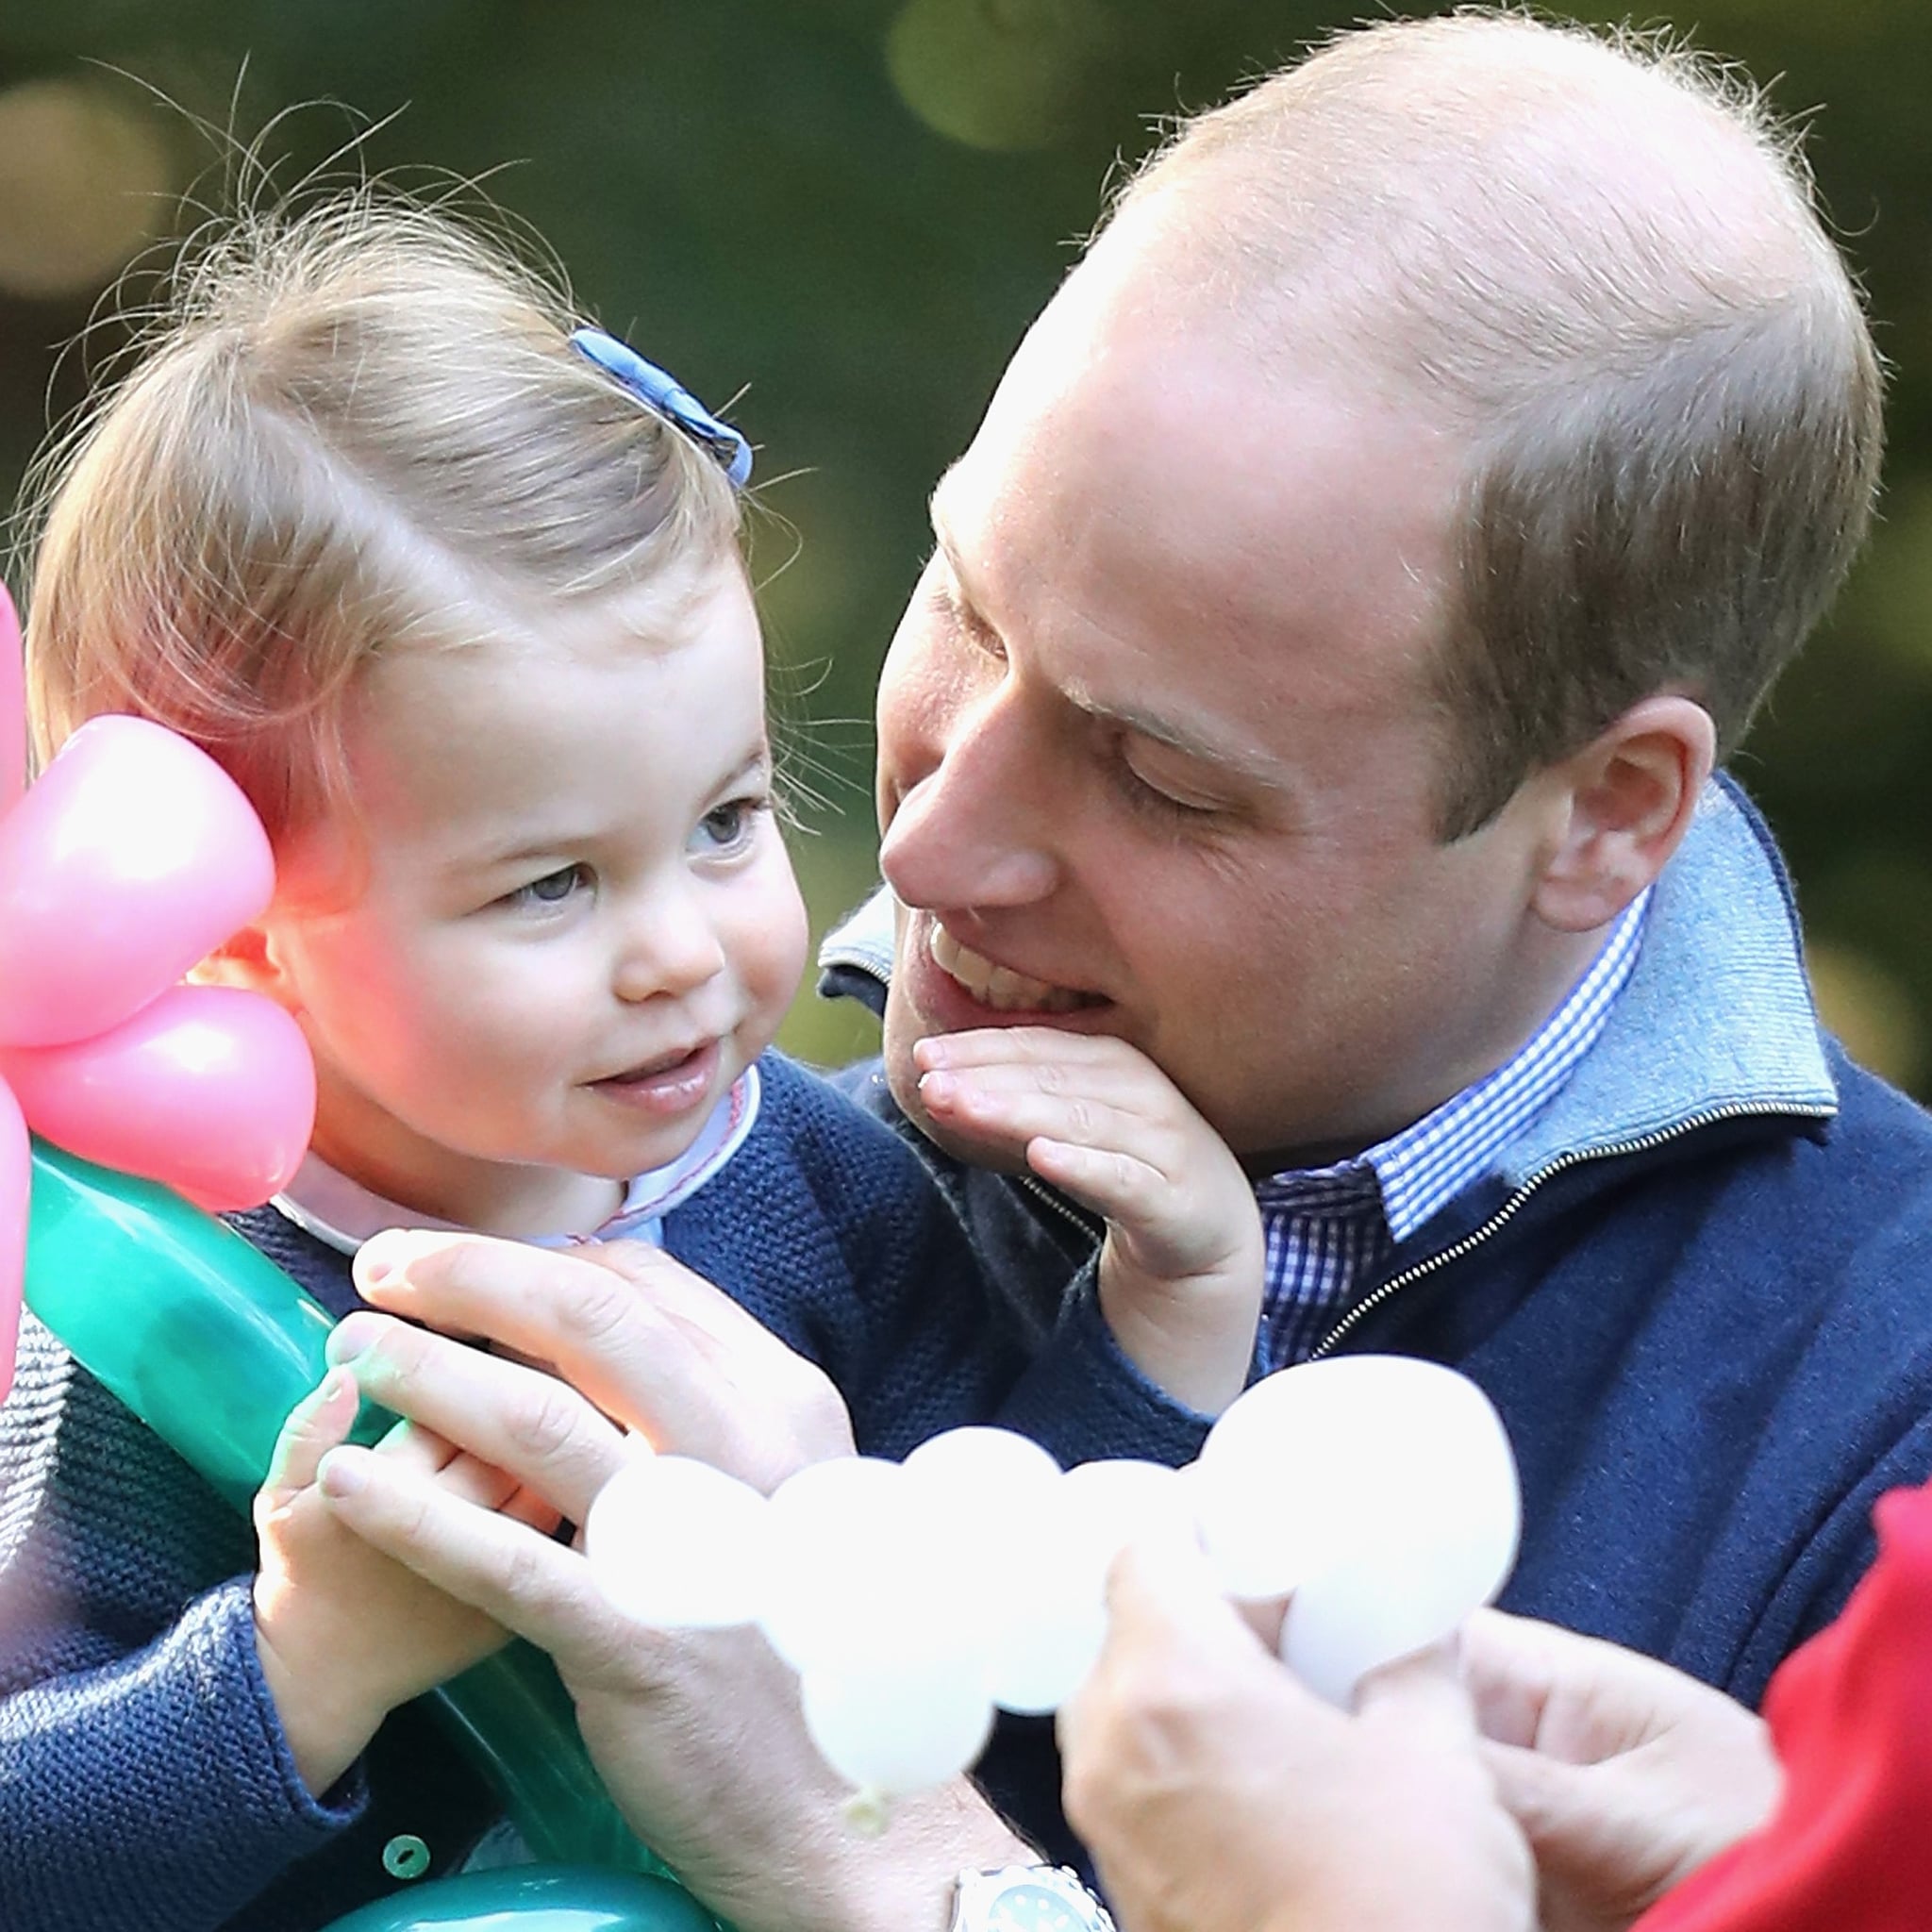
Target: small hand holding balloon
[
  {"x": 131, "y": 859},
  {"x": 913, "y": 1599}
]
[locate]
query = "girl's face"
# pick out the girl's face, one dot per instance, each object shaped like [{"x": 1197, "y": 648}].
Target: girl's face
[{"x": 563, "y": 921}]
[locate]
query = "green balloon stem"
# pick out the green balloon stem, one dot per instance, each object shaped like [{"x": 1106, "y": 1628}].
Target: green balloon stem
[
  {"x": 211, "y": 1346},
  {"x": 207, "y": 1342}
]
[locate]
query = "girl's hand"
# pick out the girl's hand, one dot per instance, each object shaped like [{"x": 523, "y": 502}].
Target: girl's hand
[
  {"x": 1181, "y": 1268},
  {"x": 344, "y": 1633}
]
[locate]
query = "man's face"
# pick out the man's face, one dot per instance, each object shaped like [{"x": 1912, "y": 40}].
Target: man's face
[{"x": 1158, "y": 753}]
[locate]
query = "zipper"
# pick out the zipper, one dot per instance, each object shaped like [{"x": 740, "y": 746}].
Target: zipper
[
  {"x": 1642, "y": 1144},
  {"x": 1094, "y": 1230}
]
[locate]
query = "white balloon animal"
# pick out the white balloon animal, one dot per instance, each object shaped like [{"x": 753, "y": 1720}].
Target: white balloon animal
[{"x": 915, "y": 1598}]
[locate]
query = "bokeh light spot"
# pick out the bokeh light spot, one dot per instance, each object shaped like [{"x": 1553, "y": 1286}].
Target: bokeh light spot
[
  {"x": 1869, "y": 1008},
  {"x": 85, "y": 181},
  {"x": 1002, "y": 75}
]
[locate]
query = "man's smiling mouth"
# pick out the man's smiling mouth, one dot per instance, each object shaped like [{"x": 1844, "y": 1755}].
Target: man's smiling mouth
[{"x": 999, "y": 987}]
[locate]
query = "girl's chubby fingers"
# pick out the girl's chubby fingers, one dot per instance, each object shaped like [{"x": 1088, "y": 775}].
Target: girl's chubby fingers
[
  {"x": 539, "y": 1432},
  {"x": 1110, "y": 1181},
  {"x": 995, "y": 1103},
  {"x": 501, "y": 1562},
  {"x": 315, "y": 1426},
  {"x": 1050, "y": 1060},
  {"x": 985, "y": 1046}
]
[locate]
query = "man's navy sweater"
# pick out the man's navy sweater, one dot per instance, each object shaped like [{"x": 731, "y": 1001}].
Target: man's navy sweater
[{"x": 1699, "y": 1291}]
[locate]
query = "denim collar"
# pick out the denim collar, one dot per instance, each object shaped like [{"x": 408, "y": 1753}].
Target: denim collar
[{"x": 1716, "y": 1018}]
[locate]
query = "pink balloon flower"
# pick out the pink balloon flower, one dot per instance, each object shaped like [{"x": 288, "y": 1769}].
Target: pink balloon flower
[{"x": 131, "y": 859}]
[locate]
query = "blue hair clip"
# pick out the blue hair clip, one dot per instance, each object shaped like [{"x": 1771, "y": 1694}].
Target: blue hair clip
[{"x": 661, "y": 392}]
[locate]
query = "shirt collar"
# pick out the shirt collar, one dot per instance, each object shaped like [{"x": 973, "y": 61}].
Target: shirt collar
[
  {"x": 343, "y": 1214},
  {"x": 1422, "y": 1168}
]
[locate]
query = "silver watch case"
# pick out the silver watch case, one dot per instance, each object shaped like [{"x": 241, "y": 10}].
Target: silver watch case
[{"x": 1026, "y": 1898}]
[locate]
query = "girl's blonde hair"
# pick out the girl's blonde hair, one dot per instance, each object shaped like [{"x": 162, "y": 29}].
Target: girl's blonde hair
[{"x": 356, "y": 426}]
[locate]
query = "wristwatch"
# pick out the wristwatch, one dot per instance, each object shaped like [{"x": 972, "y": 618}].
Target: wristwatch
[{"x": 1026, "y": 1898}]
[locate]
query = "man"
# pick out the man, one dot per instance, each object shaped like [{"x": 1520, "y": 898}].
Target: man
[
  {"x": 1331, "y": 633},
  {"x": 1329, "y": 638}
]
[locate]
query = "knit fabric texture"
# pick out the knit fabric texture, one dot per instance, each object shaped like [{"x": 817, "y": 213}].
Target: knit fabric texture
[{"x": 144, "y": 1780}]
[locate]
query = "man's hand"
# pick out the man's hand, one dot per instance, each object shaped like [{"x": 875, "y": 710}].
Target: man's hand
[
  {"x": 344, "y": 1633},
  {"x": 1625, "y": 1775},
  {"x": 1180, "y": 1272},
  {"x": 697, "y": 1736},
  {"x": 660, "y": 1349},
  {"x": 1218, "y": 1795}
]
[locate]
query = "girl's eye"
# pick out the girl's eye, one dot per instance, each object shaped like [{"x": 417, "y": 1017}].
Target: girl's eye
[
  {"x": 727, "y": 827},
  {"x": 554, "y": 888}
]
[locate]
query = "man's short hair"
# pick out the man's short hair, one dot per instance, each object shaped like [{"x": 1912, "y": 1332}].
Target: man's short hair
[{"x": 1599, "y": 262}]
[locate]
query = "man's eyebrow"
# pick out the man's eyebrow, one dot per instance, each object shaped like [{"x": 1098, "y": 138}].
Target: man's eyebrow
[{"x": 1257, "y": 768}]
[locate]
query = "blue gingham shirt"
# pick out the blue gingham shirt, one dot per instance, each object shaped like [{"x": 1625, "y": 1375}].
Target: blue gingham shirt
[{"x": 1330, "y": 1228}]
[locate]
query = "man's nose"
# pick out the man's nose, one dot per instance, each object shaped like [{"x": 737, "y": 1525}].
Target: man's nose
[
  {"x": 666, "y": 946},
  {"x": 975, "y": 827}
]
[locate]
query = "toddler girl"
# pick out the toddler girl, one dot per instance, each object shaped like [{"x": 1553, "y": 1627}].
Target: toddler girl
[{"x": 452, "y": 588}]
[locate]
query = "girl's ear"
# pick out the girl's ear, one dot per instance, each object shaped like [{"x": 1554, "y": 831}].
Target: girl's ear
[
  {"x": 247, "y": 960},
  {"x": 1631, "y": 792}
]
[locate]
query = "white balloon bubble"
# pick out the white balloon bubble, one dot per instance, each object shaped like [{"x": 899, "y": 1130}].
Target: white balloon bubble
[
  {"x": 1391, "y": 1605},
  {"x": 1044, "y": 1578},
  {"x": 1446, "y": 1510},
  {"x": 856, "y": 1558},
  {"x": 1277, "y": 1482},
  {"x": 678, "y": 1544},
  {"x": 1109, "y": 1504},
  {"x": 982, "y": 1480},
  {"x": 905, "y": 1722},
  {"x": 1040, "y": 1660}
]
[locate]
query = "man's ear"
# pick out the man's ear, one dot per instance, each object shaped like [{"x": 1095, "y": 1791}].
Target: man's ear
[{"x": 1631, "y": 793}]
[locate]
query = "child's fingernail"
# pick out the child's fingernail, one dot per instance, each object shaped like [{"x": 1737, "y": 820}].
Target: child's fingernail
[
  {"x": 382, "y": 1256},
  {"x": 341, "y": 1471},
  {"x": 332, "y": 1387},
  {"x": 351, "y": 1337},
  {"x": 387, "y": 1254},
  {"x": 938, "y": 1090}
]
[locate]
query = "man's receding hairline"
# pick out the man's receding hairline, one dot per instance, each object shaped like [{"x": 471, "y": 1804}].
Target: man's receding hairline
[
  {"x": 1420, "y": 60},
  {"x": 1375, "y": 95}
]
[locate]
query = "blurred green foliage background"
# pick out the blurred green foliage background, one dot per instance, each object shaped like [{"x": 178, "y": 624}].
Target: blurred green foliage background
[{"x": 849, "y": 210}]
